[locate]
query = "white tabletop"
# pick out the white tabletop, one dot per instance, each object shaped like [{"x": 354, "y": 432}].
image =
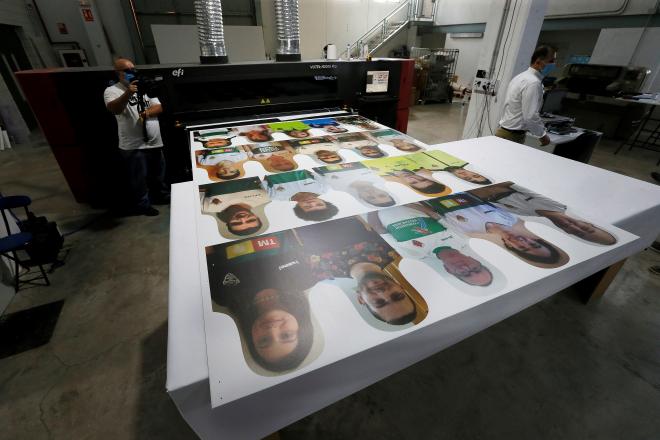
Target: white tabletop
[{"x": 611, "y": 198}]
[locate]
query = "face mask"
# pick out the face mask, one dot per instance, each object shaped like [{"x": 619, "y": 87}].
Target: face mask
[
  {"x": 548, "y": 68},
  {"x": 130, "y": 75}
]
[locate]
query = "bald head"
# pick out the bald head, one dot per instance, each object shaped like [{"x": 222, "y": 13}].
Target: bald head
[
  {"x": 123, "y": 63},
  {"x": 121, "y": 66}
]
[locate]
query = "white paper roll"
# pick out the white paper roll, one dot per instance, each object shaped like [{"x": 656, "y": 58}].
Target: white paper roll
[{"x": 332, "y": 52}]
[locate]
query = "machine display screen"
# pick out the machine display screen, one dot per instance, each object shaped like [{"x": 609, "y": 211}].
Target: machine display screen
[{"x": 377, "y": 81}]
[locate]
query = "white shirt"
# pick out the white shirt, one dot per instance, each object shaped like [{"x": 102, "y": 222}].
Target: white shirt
[
  {"x": 474, "y": 219},
  {"x": 128, "y": 121},
  {"x": 524, "y": 99},
  {"x": 526, "y": 202}
]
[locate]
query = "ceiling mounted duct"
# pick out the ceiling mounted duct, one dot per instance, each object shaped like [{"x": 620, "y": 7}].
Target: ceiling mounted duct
[
  {"x": 208, "y": 14},
  {"x": 288, "y": 30}
]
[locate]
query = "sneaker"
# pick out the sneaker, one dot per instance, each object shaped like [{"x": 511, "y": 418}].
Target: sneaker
[{"x": 655, "y": 270}]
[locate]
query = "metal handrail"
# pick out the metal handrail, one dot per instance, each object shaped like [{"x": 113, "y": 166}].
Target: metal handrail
[{"x": 381, "y": 24}]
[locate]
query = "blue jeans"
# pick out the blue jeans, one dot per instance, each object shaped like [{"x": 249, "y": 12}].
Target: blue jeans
[{"x": 146, "y": 176}]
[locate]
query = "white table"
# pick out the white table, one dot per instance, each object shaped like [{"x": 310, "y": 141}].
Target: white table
[{"x": 611, "y": 198}]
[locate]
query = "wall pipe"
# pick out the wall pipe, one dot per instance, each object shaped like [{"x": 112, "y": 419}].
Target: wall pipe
[
  {"x": 288, "y": 30},
  {"x": 208, "y": 14}
]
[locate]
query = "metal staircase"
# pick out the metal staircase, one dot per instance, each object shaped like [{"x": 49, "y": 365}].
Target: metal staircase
[{"x": 410, "y": 11}]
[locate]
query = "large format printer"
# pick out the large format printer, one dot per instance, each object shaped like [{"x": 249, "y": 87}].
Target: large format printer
[{"x": 68, "y": 104}]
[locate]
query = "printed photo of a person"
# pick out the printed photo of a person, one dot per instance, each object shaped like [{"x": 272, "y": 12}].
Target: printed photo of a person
[
  {"x": 322, "y": 149},
  {"x": 476, "y": 218},
  {"x": 358, "y": 181},
  {"x": 397, "y": 140},
  {"x": 358, "y": 121},
  {"x": 347, "y": 249},
  {"x": 329, "y": 125},
  {"x": 458, "y": 167},
  {"x": 419, "y": 233},
  {"x": 524, "y": 202},
  {"x": 238, "y": 206},
  {"x": 306, "y": 190},
  {"x": 273, "y": 156},
  {"x": 402, "y": 170},
  {"x": 263, "y": 285},
  {"x": 361, "y": 143},
  {"x": 222, "y": 163},
  {"x": 215, "y": 137},
  {"x": 293, "y": 129},
  {"x": 255, "y": 133}
]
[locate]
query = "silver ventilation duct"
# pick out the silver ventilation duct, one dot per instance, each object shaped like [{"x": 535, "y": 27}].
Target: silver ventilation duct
[
  {"x": 208, "y": 14},
  {"x": 288, "y": 30}
]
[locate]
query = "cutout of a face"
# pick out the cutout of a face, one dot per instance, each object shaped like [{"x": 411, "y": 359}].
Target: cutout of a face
[
  {"x": 404, "y": 145},
  {"x": 298, "y": 133},
  {"x": 582, "y": 229},
  {"x": 216, "y": 142},
  {"x": 275, "y": 332},
  {"x": 280, "y": 163},
  {"x": 258, "y": 135},
  {"x": 465, "y": 268},
  {"x": 385, "y": 298},
  {"x": 470, "y": 176},
  {"x": 414, "y": 180},
  {"x": 522, "y": 242},
  {"x": 328, "y": 156},
  {"x": 373, "y": 195},
  {"x": 227, "y": 170},
  {"x": 334, "y": 129},
  {"x": 371, "y": 151},
  {"x": 242, "y": 220}
]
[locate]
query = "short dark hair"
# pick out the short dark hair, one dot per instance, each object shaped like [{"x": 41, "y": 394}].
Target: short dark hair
[
  {"x": 542, "y": 52},
  {"x": 316, "y": 216},
  {"x": 550, "y": 259},
  {"x": 405, "y": 319},
  {"x": 434, "y": 188},
  {"x": 233, "y": 175}
]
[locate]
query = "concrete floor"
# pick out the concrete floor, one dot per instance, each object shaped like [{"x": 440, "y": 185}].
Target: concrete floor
[{"x": 559, "y": 369}]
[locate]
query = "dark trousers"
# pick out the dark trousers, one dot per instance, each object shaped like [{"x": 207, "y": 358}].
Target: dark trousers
[
  {"x": 510, "y": 136},
  {"x": 146, "y": 176}
]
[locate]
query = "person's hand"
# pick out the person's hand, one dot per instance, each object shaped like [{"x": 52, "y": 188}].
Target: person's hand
[
  {"x": 545, "y": 140},
  {"x": 132, "y": 87}
]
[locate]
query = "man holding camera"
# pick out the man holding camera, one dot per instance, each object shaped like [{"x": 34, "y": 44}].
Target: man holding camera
[{"x": 140, "y": 143}]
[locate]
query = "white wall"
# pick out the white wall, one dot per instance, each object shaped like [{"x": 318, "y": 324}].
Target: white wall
[
  {"x": 634, "y": 46},
  {"x": 451, "y": 12},
  {"x": 114, "y": 22},
  {"x": 178, "y": 43},
  {"x": 468, "y": 57},
  {"x": 327, "y": 21}
]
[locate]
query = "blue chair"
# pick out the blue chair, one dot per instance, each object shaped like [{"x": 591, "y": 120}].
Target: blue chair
[{"x": 12, "y": 244}]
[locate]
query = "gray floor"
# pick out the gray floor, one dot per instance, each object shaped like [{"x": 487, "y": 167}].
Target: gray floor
[{"x": 557, "y": 370}]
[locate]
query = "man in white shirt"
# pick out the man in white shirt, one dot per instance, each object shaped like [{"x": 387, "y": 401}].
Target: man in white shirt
[
  {"x": 142, "y": 156},
  {"x": 524, "y": 99}
]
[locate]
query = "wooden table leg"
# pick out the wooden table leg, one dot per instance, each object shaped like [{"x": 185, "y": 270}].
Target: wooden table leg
[{"x": 594, "y": 286}]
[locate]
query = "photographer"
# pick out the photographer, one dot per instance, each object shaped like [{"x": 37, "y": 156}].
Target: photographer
[{"x": 140, "y": 143}]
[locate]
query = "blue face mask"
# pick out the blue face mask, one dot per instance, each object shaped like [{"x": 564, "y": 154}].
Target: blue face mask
[
  {"x": 130, "y": 75},
  {"x": 548, "y": 68}
]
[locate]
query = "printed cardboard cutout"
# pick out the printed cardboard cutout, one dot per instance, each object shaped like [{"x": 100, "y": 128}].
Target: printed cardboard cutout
[
  {"x": 262, "y": 284},
  {"x": 273, "y": 156},
  {"x": 402, "y": 170},
  {"x": 397, "y": 140},
  {"x": 323, "y": 150},
  {"x": 526, "y": 203},
  {"x": 416, "y": 231},
  {"x": 359, "y": 181},
  {"x": 254, "y": 134},
  {"x": 293, "y": 129},
  {"x": 458, "y": 167},
  {"x": 348, "y": 250},
  {"x": 222, "y": 163},
  {"x": 306, "y": 190},
  {"x": 329, "y": 125},
  {"x": 215, "y": 137},
  {"x": 476, "y": 218},
  {"x": 362, "y": 144},
  {"x": 237, "y": 206},
  {"x": 358, "y": 121}
]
